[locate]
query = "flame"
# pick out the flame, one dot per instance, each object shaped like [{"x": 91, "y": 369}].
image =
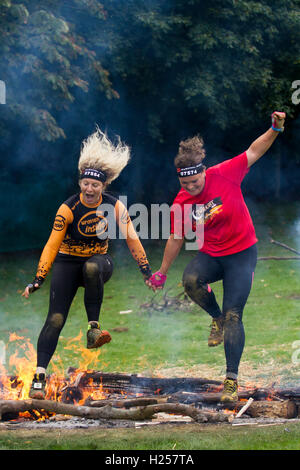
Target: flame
[
  {"x": 24, "y": 366},
  {"x": 22, "y": 363}
]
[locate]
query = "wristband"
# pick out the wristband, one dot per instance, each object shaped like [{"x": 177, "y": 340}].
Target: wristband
[
  {"x": 146, "y": 271},
  {"x": 275, "y": 120},
  {"x": 37, "y": 280},
  {"x": 158, "y": 279},
  {"x": 277, "y": 130}
]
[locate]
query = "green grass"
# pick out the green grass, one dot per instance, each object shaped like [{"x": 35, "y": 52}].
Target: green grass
[
  {"x": 174, "y": 342},
  {"x": 183, "y": 437},
  {"x": 162, "y": 339}
]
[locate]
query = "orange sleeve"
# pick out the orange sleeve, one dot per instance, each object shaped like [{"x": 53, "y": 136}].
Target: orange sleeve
[
  {"x": 63, "y": 218},
  {"x": 127, "y": 229}
]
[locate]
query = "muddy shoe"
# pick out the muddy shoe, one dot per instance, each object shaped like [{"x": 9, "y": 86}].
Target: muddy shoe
[
  {"x": 216, "y": 333},
  {"x": 38, "y": 387},
  {"x": 230, "y": 392},
  {"x": 96, "y": 337}
]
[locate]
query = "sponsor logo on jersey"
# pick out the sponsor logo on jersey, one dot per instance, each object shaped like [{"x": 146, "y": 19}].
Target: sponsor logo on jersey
[
  {"x": 59, "y": 223},
  {"x": 91, "y": 224}
]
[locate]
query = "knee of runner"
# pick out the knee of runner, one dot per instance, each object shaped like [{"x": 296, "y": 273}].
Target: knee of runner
[
  {"x": 232, "y": 316},
  {"x": 189, "y": 282},
  {"x": 91, "y": 269},
  {"x": 192, "y": 283},
  {"x": 56, "y": 320}
]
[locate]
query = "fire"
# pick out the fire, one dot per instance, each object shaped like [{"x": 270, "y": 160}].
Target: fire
[
  {"x": 22, "y": 362},
  {"x": 23, "y": 365}
]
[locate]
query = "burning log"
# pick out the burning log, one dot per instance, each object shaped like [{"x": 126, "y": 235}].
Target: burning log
[
  {"x": 108, "y": 412},
  {"x": 214, "y": 397},
  {"x": 148, "y": 385}
]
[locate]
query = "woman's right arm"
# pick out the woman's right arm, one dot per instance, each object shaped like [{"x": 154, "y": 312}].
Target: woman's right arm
[
  {"x": 171, "y": 252},
  {"x": 63, "y": 218}
]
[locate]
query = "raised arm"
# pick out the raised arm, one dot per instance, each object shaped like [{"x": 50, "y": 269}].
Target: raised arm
[{"x": 259, "y": 147}]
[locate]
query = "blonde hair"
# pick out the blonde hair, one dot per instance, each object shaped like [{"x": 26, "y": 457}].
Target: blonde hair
[{"x": 99, "y": 153}]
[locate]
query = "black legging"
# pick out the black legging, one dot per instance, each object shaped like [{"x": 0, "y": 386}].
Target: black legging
[
  {"x": 67, "y": 275},
  {"x": 237, "y": 273}
]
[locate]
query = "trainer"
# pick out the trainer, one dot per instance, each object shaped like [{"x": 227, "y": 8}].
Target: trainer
[
  {"x": 78, "y": 249},
  {"x": 211, "y": 199}
]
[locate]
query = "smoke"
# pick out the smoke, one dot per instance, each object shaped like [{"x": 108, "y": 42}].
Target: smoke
[{"x": 165, "y": 71}]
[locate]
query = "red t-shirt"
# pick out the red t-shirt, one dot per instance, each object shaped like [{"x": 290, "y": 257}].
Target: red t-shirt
[{"x": 220, "y": 211}]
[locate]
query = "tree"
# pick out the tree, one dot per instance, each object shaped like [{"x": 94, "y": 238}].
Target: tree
[
  {"x": 45, "y": 63},
  {"x": 197, "y": 64}
]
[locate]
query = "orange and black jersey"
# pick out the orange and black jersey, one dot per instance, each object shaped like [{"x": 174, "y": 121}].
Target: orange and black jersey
[
  {"x": 82, "y": 230},
  {"x": 86, "y": 234}
]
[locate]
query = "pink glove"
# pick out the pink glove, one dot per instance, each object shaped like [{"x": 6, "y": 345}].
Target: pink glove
[
  {"x": 158, "y": 279},
  {"x": 278, "y": 121}
]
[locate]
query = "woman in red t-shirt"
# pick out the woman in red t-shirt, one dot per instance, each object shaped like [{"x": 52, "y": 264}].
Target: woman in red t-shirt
[{"x": 211, "y": 204}]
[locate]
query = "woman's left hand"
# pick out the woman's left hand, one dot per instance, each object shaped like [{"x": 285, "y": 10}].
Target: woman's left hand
[
  {"x": 156, "y": 281},
  {"x": 278, "y": 119}
]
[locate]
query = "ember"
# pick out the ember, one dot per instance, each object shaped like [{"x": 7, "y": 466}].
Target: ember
[{"x": 112, "y": 396}]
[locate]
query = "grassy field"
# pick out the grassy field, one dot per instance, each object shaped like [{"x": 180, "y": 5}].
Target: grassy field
[
  {"x": 171, "y": 342},
  {"x": 172, "y": 438}
]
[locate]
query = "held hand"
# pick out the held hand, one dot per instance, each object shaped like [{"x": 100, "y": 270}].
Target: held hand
[
  {"x": 157, "y": 281},
  {"x": 278, "y": 119}
]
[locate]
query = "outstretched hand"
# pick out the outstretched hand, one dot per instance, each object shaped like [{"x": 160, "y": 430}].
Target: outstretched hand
[
  {"x": 29, "y": 289},
  {"x": 156, "y": 281}
]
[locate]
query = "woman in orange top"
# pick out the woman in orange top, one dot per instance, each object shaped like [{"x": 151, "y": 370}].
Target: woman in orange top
[{"x": 77, "y": 249}]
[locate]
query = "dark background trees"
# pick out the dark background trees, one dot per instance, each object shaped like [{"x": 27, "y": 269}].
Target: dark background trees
[{"x": 153, "y": 72}]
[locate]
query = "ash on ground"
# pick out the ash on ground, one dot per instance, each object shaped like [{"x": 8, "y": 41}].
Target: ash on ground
[{"x": 70, "y": 423}]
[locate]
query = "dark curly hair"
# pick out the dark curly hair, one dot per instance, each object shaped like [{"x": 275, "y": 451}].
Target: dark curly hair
[{"x": 190, "y": 152}]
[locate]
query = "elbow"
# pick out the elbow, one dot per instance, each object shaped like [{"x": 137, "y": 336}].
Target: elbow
[{"x": 252, "y": 156}]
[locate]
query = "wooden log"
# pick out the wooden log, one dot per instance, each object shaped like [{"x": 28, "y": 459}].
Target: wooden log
[
  {"x": 293, "y": 393},
  {"x": 276, "y": 258},
  {"x": 210, "y": 390},
  {"x": 126, "y": 402},
  {"x": 134, "y": 383},
  {"x": 213, "y": 397},
  {"x": 108, "y": 412},
  {"x": 270, "y": 409},
  {"x": 283, "y": 245}
]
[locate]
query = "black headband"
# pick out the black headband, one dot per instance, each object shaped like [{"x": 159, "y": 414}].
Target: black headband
[
  {"x": 93, "y": 174},
  {"x": 190, "y": 170}
]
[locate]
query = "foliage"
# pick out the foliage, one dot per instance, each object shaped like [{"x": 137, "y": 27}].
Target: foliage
[
  {"x": 209, "y": 63},
  {"x": 45, "y": 62},
  {"x": 153, "y": 72},
  {"x": 180, "y": 64}
]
